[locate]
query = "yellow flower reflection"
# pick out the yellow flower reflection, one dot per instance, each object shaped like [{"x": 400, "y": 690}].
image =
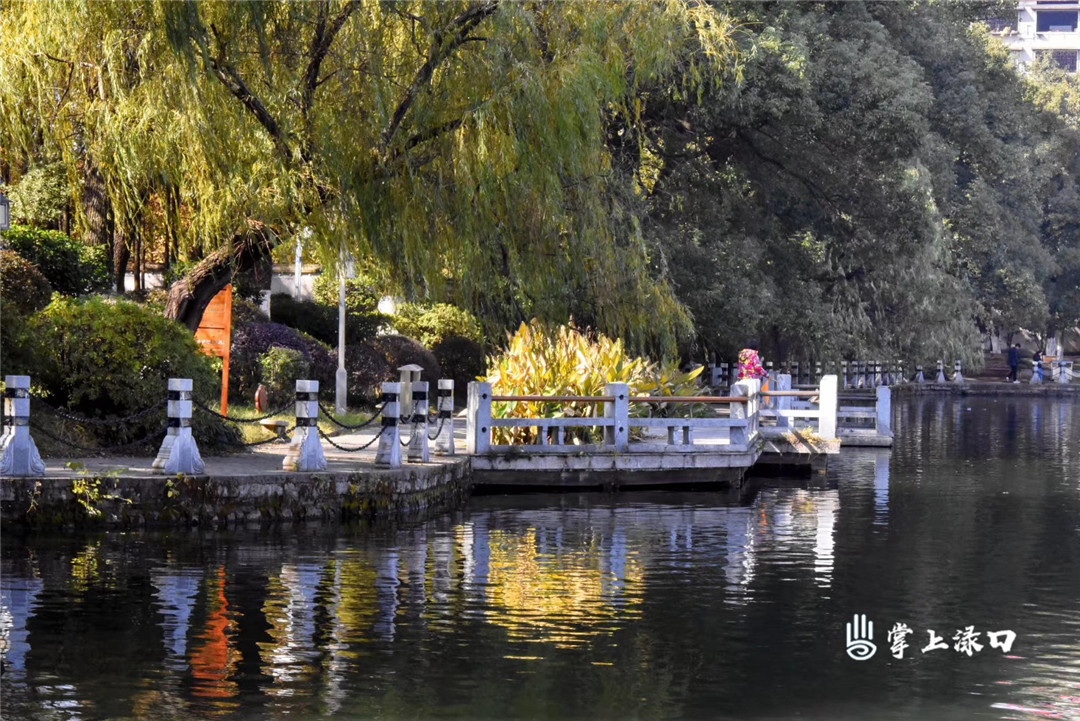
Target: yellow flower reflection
[{"x": 566, "y": 597}]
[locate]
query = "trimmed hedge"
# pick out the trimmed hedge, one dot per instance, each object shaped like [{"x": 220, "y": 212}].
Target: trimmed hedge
[
  {"x": 103, "y": 358},
  {"x": 250, "y": 342},
  {"x": 71, "y": 267},
  {"x": 461, "y": 359},
  {"x": 24, "y": 289}
]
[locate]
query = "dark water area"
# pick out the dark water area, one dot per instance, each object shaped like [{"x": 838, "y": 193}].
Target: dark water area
[{"x": 694, "y": 605}]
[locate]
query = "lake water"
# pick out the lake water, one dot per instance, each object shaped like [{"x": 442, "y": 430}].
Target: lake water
[{"x": 695, "y": 605}]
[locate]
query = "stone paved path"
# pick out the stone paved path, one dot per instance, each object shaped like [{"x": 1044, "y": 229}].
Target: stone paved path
[{"x": 258, "y": 460}]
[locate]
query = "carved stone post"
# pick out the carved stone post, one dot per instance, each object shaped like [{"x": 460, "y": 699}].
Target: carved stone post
[
  {"x": 306, "y": 452},
  {"x": 18, "y": 453}
]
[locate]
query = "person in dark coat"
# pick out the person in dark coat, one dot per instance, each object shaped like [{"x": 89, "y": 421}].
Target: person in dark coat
[{"x": 1014, "y": 363}]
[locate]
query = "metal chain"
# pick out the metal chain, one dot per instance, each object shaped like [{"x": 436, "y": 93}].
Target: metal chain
[
  {"x": 346, "y": 426},
  {"x": 83, "y": 420},
  {"x": 352, "y": 450},
  {"x": 211, "y": 411},
  {"x": 76, "y": 446},
  {"x": 437, "y": 430}
]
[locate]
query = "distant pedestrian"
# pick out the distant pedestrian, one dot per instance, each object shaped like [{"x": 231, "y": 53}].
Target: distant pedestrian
[
  {"x": 750, "y": 363},
  {"x": 1014, "y": 363}
]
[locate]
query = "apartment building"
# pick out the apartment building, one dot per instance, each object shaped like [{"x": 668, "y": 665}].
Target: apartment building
[{"x": 1043, "y": 28}]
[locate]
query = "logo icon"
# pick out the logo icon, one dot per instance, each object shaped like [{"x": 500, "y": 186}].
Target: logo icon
[{"x": 860, "y": 638}]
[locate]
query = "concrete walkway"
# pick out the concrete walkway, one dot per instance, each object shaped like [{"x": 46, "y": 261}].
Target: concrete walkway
[{"x": 264, "y": 460}]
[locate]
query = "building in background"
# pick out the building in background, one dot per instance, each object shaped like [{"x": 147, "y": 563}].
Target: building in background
[{"x": 1042, "y": 28}]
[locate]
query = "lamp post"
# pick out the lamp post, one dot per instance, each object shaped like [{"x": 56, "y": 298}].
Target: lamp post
[
  {"x": 5, "y": 213},
  {"x": 346, "y": 271}
]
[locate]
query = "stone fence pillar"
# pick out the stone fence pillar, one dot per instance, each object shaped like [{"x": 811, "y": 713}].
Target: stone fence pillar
[
  {"x": 884, "y": 411},
  {"x": 444, "y": 441},
  {"x": 306, "y": 452},
  {"x": 18, "y": 453},
  {"x": 941, "y": 372},
  {"x": 389, "y": 451},
  {"x": 179, "y": 453},
  {"x": 959, "y": 377},
  {"x": 418, "y": 441},
  {"x": 618, "y": 434},
  {"x": 478, "y": 433}
]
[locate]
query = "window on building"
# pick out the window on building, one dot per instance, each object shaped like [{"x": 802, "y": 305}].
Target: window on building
[
  {"x": 1056, "y": 21},
  {"x": 1064, "y": 59}
]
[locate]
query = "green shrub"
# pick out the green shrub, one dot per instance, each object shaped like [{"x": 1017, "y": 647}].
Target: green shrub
[
  {"x": 316, "y": 320},
  {"x": 280, "y": 368},
  {"x": 251, "y": 341},
  {"x": 244, "y": 312},
  {"x": 71, "y": 268},
  {"x": 566, "y": 362},
  {"x": 24, "y": 289},
  {"x": 362, "y": 295},
  {"x": 367, "y": 368},
  {"x": 399, "y": 351},
  {"x": 461, "y": 359},
  {"x": 103, "y": 358},
  {"x": 431, "y": 323}
]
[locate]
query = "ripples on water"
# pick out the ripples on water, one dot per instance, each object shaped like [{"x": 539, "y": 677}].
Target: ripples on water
[{"x": 655, "y": 605}]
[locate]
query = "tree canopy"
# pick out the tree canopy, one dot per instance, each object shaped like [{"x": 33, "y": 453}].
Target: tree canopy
[
  {"x": 825, "y": 178},
  {"x": 460, "y": 143}
]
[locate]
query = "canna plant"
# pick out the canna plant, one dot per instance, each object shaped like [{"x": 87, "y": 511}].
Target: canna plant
[{"x": 564, "y": 361}]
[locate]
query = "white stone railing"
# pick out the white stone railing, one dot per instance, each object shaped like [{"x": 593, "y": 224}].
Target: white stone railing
[
  {"x": 733, "y": 429},
  {"x": 815, "y": 409},
  {"x": 856, "y": 417}
]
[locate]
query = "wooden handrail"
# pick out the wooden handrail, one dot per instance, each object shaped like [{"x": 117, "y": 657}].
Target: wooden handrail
[
  {"x": 554, "y": 399},
  {"x": 610, "y": 399},
  {"x": 688, "y": 399}
]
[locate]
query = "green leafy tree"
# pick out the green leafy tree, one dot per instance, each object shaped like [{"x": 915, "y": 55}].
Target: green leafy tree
[{"x": 462, "y": 144}]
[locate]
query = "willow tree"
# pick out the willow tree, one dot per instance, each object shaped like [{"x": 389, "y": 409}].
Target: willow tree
[{"x": 463, "y": 144}]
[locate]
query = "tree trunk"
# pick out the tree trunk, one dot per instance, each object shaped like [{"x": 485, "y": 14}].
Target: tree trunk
[
  {"x": 121, "y": 256},
  {"x": 189, "y": 296},
  {"x": 97, "y": 210}
]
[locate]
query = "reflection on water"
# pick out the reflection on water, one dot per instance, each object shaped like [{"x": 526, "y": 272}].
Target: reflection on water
[{"x": 682, "y": 605}]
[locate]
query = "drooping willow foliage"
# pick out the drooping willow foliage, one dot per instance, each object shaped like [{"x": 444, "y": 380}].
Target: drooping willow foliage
[{"x": 464, "y": 145}]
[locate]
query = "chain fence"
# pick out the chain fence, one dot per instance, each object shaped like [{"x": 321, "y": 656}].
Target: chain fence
[
  {"x": 367, "y": 445},
  {"x": 152, "y": 437},
  {"x": 346, "y": 426},
  {"x": 232, "y": 419},
  {"x": 98, "y": 422}
]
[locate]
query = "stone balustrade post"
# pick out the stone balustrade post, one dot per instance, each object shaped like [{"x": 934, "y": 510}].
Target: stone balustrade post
[
  {"x": 941, "y": 372},
  {"x": 749, "y": 388},
  {"x": 305, "y": 453},
  {"x": 478, "y": 434},
  {"x": 884, "y": 411},
  {"x": 1037, "y": 372},
  {"x": 844, "y": 373},
  {"x": 617, "y": 435},
  {"x": 418, "y": 441},
  {"x": 182, "y": 455},
  {"x": 18, "y": 453},
  {"x": 783, "y": 403},
  {"x": 725, "y": 375},
  {"x": 389, "y": 450},
  {"x": 444, "y": 441},
  {"x": 919, "y": 376},
  {"x": 959, "y": 376},
  {"x": 827, "y": 405}
]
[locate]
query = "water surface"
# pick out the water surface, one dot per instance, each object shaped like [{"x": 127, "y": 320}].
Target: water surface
[{"x": 695, "y": 605}]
